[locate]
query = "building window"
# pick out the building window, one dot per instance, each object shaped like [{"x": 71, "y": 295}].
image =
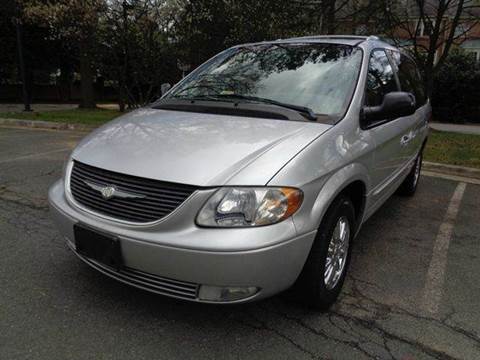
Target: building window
[{"x": 475, "y": 53}]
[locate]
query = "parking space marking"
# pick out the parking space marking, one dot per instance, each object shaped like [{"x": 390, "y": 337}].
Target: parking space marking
[
  {"x": 432, "y": 294},
  {"x": 35, "y": 155},
  {"x": 458, "y": 178}
]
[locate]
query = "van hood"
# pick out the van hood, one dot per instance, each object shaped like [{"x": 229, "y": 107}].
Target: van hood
[{"x": 196, "y": 148}]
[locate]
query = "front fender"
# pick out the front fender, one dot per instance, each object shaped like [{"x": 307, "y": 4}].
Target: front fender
[{"x": 320, "y": 194}]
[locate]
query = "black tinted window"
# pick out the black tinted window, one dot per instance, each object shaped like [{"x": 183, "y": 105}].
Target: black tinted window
[
  {"x": 409, "y": 77},
  {"x": 381, "y": 78}
]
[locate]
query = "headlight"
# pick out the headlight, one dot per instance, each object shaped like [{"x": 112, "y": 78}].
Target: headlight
[{"x": 249, "y": 206}]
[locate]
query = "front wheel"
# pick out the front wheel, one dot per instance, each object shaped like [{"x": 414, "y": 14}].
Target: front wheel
[{"x": 324, "y": 272}]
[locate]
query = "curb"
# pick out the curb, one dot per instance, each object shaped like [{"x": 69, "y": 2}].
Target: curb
[
  {"x": 39, "y": 124},
  {"x": 468, "y": 129},
  {"x": 451, "y": 169}
]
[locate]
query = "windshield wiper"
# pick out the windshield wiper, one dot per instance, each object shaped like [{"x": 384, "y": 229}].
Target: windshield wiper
[
  {"x": 303, "y": 110},
  {"x": 306, "y": 112},
  {"x": 197, "y": 98}
]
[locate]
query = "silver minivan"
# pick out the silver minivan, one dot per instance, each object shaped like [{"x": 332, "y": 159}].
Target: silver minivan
[{"x": 251, "y": 175}]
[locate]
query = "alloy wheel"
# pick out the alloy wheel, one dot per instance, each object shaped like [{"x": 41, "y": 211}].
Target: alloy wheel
[{"x": 337, "y": 253}]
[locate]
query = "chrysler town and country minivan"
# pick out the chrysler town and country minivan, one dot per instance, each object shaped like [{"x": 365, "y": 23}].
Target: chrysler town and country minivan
[{"x": 252, "y": 174}]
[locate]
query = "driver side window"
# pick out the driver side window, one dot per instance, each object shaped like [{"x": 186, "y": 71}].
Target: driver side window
[{"x": 380, "y": 78}]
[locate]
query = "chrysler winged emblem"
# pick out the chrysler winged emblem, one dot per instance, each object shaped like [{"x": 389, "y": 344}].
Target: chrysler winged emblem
[{"x": 110, "y": 191}]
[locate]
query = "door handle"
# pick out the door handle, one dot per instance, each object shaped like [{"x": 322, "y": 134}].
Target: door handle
[{"x": 405, "y": 140}]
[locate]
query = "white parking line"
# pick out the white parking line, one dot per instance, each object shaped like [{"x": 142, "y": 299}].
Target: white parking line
[
  {"x": 464, "y": 179},
  {"x": 432, "y": 294},
  {"x": 35, "y": 155}
]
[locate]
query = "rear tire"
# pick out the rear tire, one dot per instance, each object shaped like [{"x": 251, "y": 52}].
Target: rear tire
[
  {"x": 324, "y": 272},
  {"x": 409, "y": 185}
]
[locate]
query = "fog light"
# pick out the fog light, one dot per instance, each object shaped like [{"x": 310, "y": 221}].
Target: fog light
[{"x": 226, "y": 293}]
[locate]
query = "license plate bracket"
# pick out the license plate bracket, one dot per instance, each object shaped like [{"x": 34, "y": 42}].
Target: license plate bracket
[{"x": 97, "y": 246}]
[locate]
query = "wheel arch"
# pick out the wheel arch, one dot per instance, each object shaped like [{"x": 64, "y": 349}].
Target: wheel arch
[
  {"x": 352, "y": 180},
  {"x": 424, "y": 143},
  {"x": 356, "y": 191}
]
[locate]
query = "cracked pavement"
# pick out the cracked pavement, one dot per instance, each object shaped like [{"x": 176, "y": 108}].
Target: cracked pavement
[{"x": 52, "y": 306}]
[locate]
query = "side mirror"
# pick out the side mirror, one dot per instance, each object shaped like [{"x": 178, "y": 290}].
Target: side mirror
[
  {"x": 395, "y": 104},
  {"x": 165, "y": 87}
]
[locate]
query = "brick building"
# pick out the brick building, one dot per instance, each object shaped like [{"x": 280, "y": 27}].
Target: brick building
[{"x": 415, "y": 26}]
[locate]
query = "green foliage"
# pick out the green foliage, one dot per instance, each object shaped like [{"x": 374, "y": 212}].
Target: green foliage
[
  {"x": 456, "y": 90},
  {"x": 74, "y": 116},
  {"x": 201, "y": 30},
  {"x": 206, "y": 27},
  {"x": 135, "y": 53}
]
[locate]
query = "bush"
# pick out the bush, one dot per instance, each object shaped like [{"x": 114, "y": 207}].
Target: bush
[{"x": 456, "y": 89}]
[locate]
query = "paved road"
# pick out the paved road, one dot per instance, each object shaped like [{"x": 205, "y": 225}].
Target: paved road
[
  {"x": 412, "y": 291},
  {"x": 457, "y": 128}
]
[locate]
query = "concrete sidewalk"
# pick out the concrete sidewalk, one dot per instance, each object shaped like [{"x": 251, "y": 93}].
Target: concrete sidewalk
[
  {"x": 456, "y": 128},
  {"x": 49, "y": 107}
]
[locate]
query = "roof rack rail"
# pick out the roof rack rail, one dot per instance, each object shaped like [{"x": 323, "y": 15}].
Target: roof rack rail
[
  {"x": 347, "y": 37},
  {"x": 360, "y": 38}
]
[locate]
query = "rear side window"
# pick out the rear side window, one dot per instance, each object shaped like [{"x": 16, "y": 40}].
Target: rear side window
[
  {"x": 381, "y": 78},
  {"x": 409, "y": 76}
]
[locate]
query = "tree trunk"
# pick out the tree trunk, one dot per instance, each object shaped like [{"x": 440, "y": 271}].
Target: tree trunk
[
  {"x": 121, "y": 96},
  {"x": 429, "y": 81},
  {"x": 86, "y": 83},
  {"x": 331, "y": 17},
  {"x": 26, "y": 94},
  {"x": 65, "y": 82}
]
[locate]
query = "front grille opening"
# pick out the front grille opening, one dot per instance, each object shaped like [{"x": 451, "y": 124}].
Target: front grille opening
[
  {"x": 157, "y": 284},
  {"x": 157, "y": 198}
]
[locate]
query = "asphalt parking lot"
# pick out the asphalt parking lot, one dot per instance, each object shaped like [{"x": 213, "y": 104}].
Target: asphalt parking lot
[{"x": 412, "y": 292}]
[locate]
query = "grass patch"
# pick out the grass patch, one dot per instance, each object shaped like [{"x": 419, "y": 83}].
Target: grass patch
[
  {"x": 74, "y": 116},
  {"x": 453, "y": 148}
]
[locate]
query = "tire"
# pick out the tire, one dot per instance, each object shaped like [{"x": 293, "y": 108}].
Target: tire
[
  {"x": 409, "y": 185},
  {"x": 312, "y": 286}
]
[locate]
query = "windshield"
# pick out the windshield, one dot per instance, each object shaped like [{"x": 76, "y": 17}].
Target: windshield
[{"x": 320, "y": 77}]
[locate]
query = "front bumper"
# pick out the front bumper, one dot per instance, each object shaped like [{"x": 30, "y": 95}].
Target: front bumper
[{"x": 175, "y": 257}]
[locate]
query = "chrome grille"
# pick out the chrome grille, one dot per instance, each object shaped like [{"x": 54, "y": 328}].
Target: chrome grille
[{"x": 158, "y": 199}]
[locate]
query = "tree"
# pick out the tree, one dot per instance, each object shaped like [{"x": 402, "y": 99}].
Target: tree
[
  {"x": 431, "y": 27},
  {"x": 252, "y": 20},
  {"x": 136, "y": 54},
  {"x": 72, "y": 22},
  {"x": 7, "y": 39},
  {"x": 456, "y": 92},
  {"x": 327, "y": 16},
  {"x": 205, "y": 27},
  {"x": 200, "y": 30},
  {"x": 27, "y": 52},
  {"x": 11, "y": 22}
]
